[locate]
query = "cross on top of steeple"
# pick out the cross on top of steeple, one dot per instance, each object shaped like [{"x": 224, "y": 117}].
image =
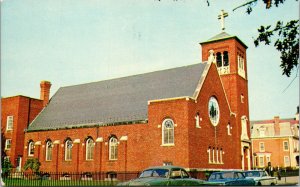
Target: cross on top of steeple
[{"x": 222, "y": 17}]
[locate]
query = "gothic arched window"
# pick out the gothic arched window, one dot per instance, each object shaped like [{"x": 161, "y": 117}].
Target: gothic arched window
[
  {"x": 219, "y": 59},
  {"x": 49, "y": 147},
  {"x": 168, "y": 132},
  {"x": 68, "y": 150},
  {"x": 90, "y": 149},
  {"x": 225, "y": 58},
  {"x": 113, "y": 148},
  {"x": 30, "y": 148}
]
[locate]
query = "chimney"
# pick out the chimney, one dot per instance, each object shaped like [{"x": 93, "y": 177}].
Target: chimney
[
  {"x": 276, "y": 125},
  {"x": 45, "y": 92}
]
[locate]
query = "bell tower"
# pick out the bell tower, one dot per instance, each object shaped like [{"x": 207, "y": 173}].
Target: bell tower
[{"x": 230, "y": 59}]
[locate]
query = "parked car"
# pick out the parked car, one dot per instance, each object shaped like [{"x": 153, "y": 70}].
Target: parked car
[
  {"x": 229, "y": 178},
  {"x": 163, "y": 176},
  {"x": 260, "y": 177}
]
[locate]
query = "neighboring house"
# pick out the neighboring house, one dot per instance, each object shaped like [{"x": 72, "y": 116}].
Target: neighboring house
[
  {"x": 16, "y": 114},
  {"x": 195, "y": 116},
  {"x": 276, "y": 141}
]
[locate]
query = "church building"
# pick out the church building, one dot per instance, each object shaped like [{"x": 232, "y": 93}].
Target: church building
[{"x": 195, "y": 116}]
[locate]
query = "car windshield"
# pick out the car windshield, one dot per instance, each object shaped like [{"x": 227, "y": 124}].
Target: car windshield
[
  {"x": 252, "y": 174},
  {"x": 154, "y": 173},
  {"x": 226, "y": 175}
]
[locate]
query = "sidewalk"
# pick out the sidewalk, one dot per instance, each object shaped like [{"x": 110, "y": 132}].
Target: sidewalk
[{"x": 288, "y": 180}]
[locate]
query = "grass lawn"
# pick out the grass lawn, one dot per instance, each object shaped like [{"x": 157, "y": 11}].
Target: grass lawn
[{"x": 25, "y": 182}]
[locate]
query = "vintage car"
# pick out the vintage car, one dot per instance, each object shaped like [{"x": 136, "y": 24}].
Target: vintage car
[
  {"x": 229, "y": 178},
  {"x": 163, "y": 176},
  {"x": 261, "y": 177}
]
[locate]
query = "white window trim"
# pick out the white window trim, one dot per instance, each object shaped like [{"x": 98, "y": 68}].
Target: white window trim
[
  {"x": 260, "y": 150},
  {"x": 115, "y": 145},
  {"x": 49, "y": 152},
  {"x": 66, "y": 148},
  {"x": 31, "y": 144},
  {"x": 289, "y": 161},
  {"x": 287, "y": 146},
  {"x": 9, "y": 123},
  {"x": 163, "y": 134},
  {"x": 221, "y": 154},
  {"x": 87, "y": 148},
  {"x": 7, "y": 142},
  {"x": 209, "y": 160}
]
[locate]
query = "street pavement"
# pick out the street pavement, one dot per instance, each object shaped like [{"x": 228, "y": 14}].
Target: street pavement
[{"x": 287, "y": 181}]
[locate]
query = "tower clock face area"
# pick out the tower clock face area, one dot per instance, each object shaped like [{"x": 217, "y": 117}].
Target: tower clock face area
[{"x": 213, "y": 111}]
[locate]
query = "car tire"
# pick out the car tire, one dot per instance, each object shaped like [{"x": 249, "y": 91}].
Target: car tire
[{"x": 258, "y": 184}]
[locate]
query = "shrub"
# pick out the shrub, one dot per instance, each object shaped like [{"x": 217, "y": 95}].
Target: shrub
[
  {"x": 33, "y": 164},
  {"x": 6, "y": 167}
]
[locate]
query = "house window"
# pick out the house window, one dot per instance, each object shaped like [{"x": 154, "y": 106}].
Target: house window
[
  {"x": 113, "y": 148},
  {"x": 242, "y": 98},
  {"x": 9, "y": 123},
  {"x": 90, "y": 149},
  {"x": 261, "y": 132},
  {"x": 68, "y": 150},
  {"x": 286, "y": 161},
  {"x": 268, "y": 159},
  {"x": 49, "y": 147},
  {"x": 285, "y": 146},
  {"x": 7, "y": 144},
  {"x": 261, "y": 161},
  {"x": 30, "y": 148},
  {"x": 168, "y": 132},
  {"x": 261, "y": 147}
]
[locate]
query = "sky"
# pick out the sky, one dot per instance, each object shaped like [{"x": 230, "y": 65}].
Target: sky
[{"x": 70, "y": 42}]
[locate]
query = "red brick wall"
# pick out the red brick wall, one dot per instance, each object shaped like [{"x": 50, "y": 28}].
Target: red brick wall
[
  {"x": 24, "y": 110},
  {"x": 144, "y": 146},
  {"x": 275, "y": 147},
  {"x": 234, "y": 84},
  {"x": 208, "y": 135}
]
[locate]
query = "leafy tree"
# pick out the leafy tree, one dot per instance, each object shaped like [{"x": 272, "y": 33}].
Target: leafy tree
[
  {"x": 6, "y": 167},
  {"x": 33, "y": 164},
  {"x": 287, "y": 39}
]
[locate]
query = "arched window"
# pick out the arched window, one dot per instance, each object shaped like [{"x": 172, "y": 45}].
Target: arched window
[
  {"x": 225, "y": 58},
  {"x": 30, "y": 148},
  {"x": 90, "y": 149},
  {"x": 113, "y": 148},
  {"x": 168, "y": 132},
  {"x": 219, "y": 59},
  {"x": 49, "y": 147},
  {"x": 68, "y": 150}
]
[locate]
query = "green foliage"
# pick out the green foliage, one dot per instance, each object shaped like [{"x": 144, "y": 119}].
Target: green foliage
[
  {"x": 33, "y": 164},
  {"x": 6, "y": 167},
  {"x": 286, "y": 36},
  {"x": 287, "y": 43}
]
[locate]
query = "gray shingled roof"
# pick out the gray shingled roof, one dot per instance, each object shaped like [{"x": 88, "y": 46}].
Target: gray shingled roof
[
  {"x": 223, "y": 36},
  {"x": 116, "y": 100}
]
